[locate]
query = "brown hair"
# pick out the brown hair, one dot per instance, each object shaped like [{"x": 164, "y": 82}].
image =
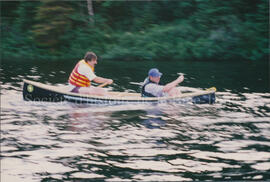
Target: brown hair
[{"x": 89, "y": 56}]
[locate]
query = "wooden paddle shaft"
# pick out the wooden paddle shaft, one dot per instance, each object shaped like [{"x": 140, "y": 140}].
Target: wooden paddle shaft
[
  {"x": 181, "y": 74},
  {"x": 103, "y": 85}
]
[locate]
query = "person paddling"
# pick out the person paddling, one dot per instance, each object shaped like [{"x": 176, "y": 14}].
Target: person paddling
[
  {"x": 83, "y": 74},
  {"x": 151, "y": 87}
]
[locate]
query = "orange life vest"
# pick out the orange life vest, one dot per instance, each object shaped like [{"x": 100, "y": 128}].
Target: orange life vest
[{"x": 78, "y": 79}]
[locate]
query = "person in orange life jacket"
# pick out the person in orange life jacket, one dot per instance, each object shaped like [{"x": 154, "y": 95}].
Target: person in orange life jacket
[
  {"x": 151, "y": 88},
  {"x": 83, "y": 74}
]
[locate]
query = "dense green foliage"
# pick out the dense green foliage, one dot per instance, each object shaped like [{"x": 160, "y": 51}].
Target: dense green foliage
[{"x": 128, "y": 30}]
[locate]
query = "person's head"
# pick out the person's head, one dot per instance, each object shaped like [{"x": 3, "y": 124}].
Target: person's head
[
  {"x": 154, "y": 75},
  {"x": 90, "y": 58}
]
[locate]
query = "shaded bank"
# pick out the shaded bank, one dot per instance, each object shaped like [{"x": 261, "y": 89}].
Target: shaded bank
[{"x": 136, "y": 30}]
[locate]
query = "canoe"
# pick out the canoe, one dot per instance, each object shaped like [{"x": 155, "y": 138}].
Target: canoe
[{"x": 39, "y": 92}]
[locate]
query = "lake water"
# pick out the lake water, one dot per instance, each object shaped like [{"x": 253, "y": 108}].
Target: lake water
[{"x": 229, "y": 140}]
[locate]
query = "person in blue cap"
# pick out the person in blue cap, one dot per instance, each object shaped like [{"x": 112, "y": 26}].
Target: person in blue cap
[{"x": 151, "y": 87}]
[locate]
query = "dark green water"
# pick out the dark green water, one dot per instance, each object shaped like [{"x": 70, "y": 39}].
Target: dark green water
[{"x": 229, "y": 140}]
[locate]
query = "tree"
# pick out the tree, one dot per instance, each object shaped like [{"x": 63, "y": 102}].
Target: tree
[
  {"x": 54, "y": 21},
  {"x": 90, "y": 11}
]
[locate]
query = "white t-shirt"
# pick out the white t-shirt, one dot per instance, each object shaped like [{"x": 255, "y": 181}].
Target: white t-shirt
[
  {"x": 86, "y": 71},
  {"x": 154, "y": 89}
]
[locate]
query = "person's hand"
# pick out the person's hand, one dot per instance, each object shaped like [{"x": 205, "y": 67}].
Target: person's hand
[
  {"x": 109, "y": 81},
  {"x": 180, "y": 78}
]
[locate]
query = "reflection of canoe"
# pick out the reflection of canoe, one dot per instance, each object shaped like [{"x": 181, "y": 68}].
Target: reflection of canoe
[{"x": 35, "y": 91}]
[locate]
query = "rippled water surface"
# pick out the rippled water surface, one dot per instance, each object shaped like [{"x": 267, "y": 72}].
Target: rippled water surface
[{"x": 229, "y": 140}]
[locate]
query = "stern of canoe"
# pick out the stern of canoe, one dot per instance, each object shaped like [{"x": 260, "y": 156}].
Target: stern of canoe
[{"x": 34, "y": 93}]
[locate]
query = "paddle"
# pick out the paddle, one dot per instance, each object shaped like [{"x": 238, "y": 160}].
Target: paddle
[
  {"x": 103, "y": 85},
  {"x": 211, "y": 89},
  {"x": 180, "y": 74},
  {"x": 136, "y": 83},
  {"x": 141, "y": 83}
]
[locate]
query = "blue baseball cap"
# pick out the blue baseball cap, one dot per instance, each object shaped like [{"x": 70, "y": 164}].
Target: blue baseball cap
[{"x": 154, "y": 72}]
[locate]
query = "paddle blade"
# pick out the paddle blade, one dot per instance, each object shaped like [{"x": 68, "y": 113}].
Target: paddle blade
[{"x": 211, "y": 89}]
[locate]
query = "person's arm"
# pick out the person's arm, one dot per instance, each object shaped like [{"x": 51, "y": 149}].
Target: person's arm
[
  {"x": 84, "y": 69},
  {"x": 173, "y": 84},
  {"x": 98, "y": 79}
]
